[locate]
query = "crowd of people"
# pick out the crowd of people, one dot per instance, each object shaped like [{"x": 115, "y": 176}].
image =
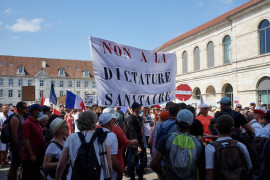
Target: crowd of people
[{"x": 109, "y": 143}]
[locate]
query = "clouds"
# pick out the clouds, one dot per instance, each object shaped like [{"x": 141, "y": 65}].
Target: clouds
[
  {"x": 24, "y": 25},
  {"x": 226, "y": 1},
  {"x": 8, "y": 11}
]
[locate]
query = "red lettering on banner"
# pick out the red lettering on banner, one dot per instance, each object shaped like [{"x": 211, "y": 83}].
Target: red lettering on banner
[
  {"x": 143, "y": 57},
  {"x": 108, "y": 47},
  {"x": 119, "y": 52},
  {"x": 160, "y": 61},
  {"x": 128, "y": 53}
]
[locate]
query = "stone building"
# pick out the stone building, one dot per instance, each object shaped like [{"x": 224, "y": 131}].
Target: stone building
[
  {"x": 227, "y": 56},
  {"x": 72, "y": 75}
]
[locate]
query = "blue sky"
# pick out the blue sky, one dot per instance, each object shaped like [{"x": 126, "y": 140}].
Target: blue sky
[{"x": 60, "y": 28}]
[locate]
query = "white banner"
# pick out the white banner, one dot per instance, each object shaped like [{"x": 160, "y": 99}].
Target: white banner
[
  {"x": 124, "y": 74},
  {"x": 90, "y": 100}
]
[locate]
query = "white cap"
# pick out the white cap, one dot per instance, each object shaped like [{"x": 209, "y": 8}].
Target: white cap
[
  {"x": 104, "y": 118},
  {"x": 111, "y": 111},
  {"x": 204, "y": 106}
]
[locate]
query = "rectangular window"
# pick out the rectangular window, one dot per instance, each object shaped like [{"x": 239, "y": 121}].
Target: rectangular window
[
  {"x": 41, "y": 83},
  {"x": 19, "y": 93},
  {"x": 61, "y": 84},
  {"x": 10, "y": 82},
  {"x": 30, "y": 82},
  {"x": 86, "y": 84},
  {"x": 61, "y": 93},
  {"x": 69, "y": 83},
  {"x": 93, "y": 85},
  {"x": 1, "y": 93},
  {"x": 61, "y": 72},
  {"x": 10, "y": 93},
  {"x": 40, "y": 94},
  {"x": 20, "y": 82},
  {"x": 1, "y": 82},
  {"x": 78, "y": 84}
]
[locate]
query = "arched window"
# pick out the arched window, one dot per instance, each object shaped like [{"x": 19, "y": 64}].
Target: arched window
[
  {"x": 210, "y": 54},
  {"x": 197, "y": 94},
  {"x": 184, "y": 63},
  {"x": 196, "y": 58},
  {"x": 264, "y": 91},
  {"x": 227, "y": 49},
  {"x": 264, "y": 30},
  {"x": 228, "y": 91}
]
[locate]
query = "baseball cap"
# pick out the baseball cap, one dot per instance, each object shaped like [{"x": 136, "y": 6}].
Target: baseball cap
[
  {"x": 185, "y": 117},
  {"x": 238, "y": 105},
  {"x": 136, "y": 105},
  {"x": 252, "y": 103},
  {"x": 34, "y": 106},
  {"x": 111, "y": 111},
  {"x": 259, "y": 111},
  {"x": 55, "y": 124},
  {"x": 225, "y": 100},
  {"x": 204, "y": 106},
  {"x": 246, "y": 108},
  {"x": 164, "y": 115},
  {"x": 104, "y": 118}
]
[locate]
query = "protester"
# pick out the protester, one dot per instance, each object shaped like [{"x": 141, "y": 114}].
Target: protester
[
  {"x": 259, "y": 115},
  {"x": 182, "y": 151},
  {"x": 196, "y": 128},
  {"x": 147, "y": 124},
  {"x": 70, "y": 119},
  {"x": 164, "y": 116},
  {"x": 265, "y": 132},
  {"x": 135, "y": 155},
  {"x": 16, "y": 141},
  {"x": 46, "y": 110},
  {"x": 252, "y": 106},
  {"x": 254, "y": 123},
  {"x": 204, "y": 118},
  {"x": 62, "y": 112},
  {"x": 34, "y": 143},
  {"x": 3, "y": 147},
  {"x": 59, "y": 128},
  {"x": 76, "y": 117},
  {"x": 120, "y": 121},
  {"x": 230, "y": 163},
  {"x": 86, "y": 125},
  {"x": 238, "y": 108},
  {"x": 121, "y": 138}
]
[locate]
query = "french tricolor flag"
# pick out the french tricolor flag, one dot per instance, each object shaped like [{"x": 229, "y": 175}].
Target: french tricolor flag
[{"x": 73, "y": 101}]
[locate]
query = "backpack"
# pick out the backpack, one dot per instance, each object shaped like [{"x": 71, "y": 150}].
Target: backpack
[
  {"x": 163, "y": 131},
  {"x": 5, "y": 133},
  {"x": 229, "y": 161},
  {"x": 86, "y": 164},
  {"x": 52, "y": 172},
  {"x": 182, "y": 157}
]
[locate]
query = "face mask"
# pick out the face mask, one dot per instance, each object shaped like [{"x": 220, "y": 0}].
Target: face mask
[
  {"x": 40, "y": 114},
  {"x": 140, "y": 112}
]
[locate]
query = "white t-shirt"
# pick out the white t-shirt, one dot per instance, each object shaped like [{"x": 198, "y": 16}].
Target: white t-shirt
[
  {"x": 210, "y": 150},
  {"x": 113, "y": 145},
  {"x": 53, "y": 150},
  {"x": 3, "y": 146},
  {"x": 73, "y": 144},
  {"x": 257, "y": 127},
  {"x": 147, "y": 125},
  {"x": 265, "y": 132},
  {"x": 76, "y": 117}
]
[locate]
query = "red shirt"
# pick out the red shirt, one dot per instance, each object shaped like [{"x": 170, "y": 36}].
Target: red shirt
[
  {"x": 205, "y": 122},
  {"x": 32, "y": 131},
  {"x": 122, "y": 142}
]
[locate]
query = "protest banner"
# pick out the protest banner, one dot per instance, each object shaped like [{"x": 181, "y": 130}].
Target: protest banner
[
  {"x": 90, "y": 100},
  {"x": 124, "y": 74}
]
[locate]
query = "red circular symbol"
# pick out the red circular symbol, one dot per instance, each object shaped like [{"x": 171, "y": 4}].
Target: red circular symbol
[{"x": 183, "y": 92}]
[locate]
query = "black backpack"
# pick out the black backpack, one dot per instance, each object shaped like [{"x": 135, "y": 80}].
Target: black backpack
[
  {"x": 229, "y": 161},
  {"x": 5, "y": 133},
  {"x": 86, "y": 164}
]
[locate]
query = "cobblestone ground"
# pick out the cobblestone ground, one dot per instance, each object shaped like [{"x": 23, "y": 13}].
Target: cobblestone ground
[{"x": 149, "y": 174}]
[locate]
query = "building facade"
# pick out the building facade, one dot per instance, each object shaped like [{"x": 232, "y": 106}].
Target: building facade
[
  {"x": 66, "y": 75},
  {"x": 227, "y": 56}
]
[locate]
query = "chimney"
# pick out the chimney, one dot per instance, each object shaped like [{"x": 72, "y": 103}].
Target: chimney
[{"x": 43, "y": 64}]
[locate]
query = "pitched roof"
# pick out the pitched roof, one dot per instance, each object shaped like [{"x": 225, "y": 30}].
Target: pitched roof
[
  {"x": 209, "y": 24},
  {"x": 33, "y": 65}
]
